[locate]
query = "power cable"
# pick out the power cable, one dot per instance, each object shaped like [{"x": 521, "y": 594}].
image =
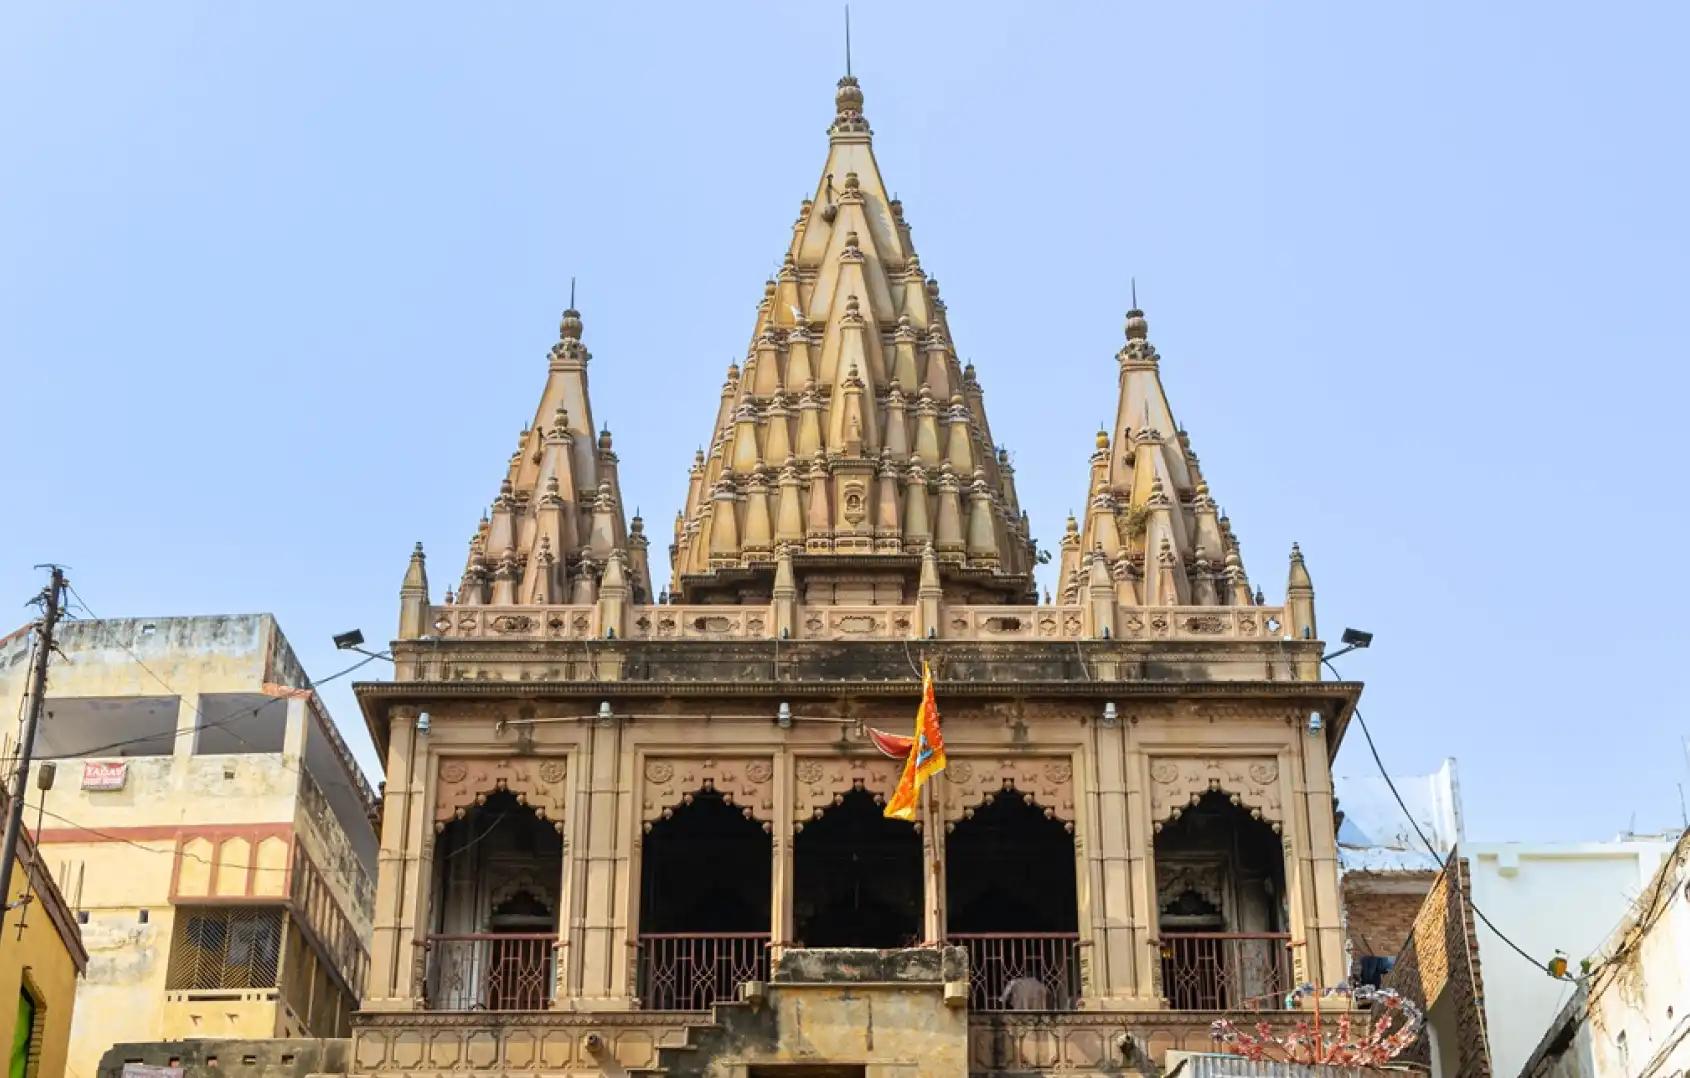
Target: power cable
[{"x": 1432, "y": 850}]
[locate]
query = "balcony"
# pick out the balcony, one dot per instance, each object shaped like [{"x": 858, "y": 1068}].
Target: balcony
[
  {"x": 1226, "y": 971},
  {"x": 1035, "y": 971},
  {"x": 693, "y": 972},
  {"x": 491, "y": 971}
]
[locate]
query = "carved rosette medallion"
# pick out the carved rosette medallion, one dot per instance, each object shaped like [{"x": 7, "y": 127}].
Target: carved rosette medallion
[
  {"x": 1250, "y": 782},
  {"x": 823, "y": 783},
  {"x": 747, "y": 783},
  {"x": 1047, "y": 782},
  {"x": 536, "y": 781}
]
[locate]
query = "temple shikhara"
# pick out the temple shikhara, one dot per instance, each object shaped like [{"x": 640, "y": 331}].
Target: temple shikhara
[{"x": 634, "y": 821}]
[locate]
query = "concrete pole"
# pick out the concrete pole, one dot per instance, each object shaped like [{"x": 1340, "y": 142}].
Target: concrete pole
[{"x": 52, "y": 600}]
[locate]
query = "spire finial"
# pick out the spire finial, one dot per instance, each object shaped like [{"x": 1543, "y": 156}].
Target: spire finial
[
  {"x": 572, "y": 293},
  {"x": 1135, "y": 291},
  {"x": 847, "y": 40}
]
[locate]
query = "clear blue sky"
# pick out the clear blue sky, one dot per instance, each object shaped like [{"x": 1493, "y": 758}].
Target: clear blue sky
[{"x": 277, "y": 282}]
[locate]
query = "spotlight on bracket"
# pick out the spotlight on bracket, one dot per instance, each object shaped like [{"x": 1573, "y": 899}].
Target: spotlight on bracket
[
  {"x": 1316, "y": 723},
  {"x": 1353, "y": 640},
  {"x": 605, "y": 714},
  {"x": 1111, "y": 715},
  {"x": 348, "y": 640},
  {"x": 783, "y": 716}
]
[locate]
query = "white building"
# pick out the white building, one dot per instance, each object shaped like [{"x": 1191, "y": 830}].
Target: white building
[{"x": 1631, "y": 1017}]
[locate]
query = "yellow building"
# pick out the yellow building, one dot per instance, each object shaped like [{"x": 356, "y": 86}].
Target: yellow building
[
  {"x": 39, "y": 967},
  {"x": 208, "y": 828}
]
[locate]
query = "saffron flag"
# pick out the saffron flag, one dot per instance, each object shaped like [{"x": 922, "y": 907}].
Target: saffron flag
[{"x": 926, "y": 756}]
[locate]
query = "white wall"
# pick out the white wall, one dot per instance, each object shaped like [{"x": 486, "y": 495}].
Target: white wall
[{"x": 1547, "y": 898}]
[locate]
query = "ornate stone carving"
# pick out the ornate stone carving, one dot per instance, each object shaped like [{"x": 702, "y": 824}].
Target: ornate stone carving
[
  {"x": 1045, "y": 781},
  {"x": 673, "y": 781},
  {"x": 465, "y": 782},
  {"x": 823, "y": 783},
  {"x": 1174, "y": 880},
  {"x": 1252, "y": 783}
]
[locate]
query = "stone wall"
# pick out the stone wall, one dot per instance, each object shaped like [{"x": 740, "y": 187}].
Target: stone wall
[
  {"x": 232, "y": 1058},
  {"x": 1439, "y": 967}
]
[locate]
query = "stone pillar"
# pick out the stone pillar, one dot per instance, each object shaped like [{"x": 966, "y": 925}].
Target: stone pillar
[
  {"x": 782, "y": 917},
  {"x": 1103, "y": 835},
  {"x": 1141, "y": 871},
  {"x": 401, "y": 905},
  {"x": 296, "y": 727},
  {"x": 599, "y": 939},
  {"x": 1326, "y": 928},
  {"x": 1299, "y": 872}
]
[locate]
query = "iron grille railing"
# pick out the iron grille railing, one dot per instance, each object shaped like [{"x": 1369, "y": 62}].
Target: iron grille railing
[
  {"x": 224, "y": 947},
  {"x": 491, "y": 971},
  {"x": 1021, "y": 971},
  {"x": 1226, "y": 971},
  {"x": 692, "y": 972}
]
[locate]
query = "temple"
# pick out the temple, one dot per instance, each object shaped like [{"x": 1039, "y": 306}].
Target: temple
[{"x": 636, "y": 833}]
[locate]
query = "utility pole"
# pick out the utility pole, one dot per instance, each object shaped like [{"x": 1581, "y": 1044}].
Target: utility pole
[{"x": 52, "y": 606}]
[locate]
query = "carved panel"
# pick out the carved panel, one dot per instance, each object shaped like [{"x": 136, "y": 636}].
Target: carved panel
[
  {"x": 823, "y": 782},
  {"x": 464, "y": 782},
  {"x": 671, "y": 781},
  {"x": 1045, "y": 781},
  {"x": 1250, "y": 782}
]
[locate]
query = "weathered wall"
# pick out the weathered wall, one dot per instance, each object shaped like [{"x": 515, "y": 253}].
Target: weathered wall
[
  {"x": 1439, "y": 970},
  {"x": 233, "y": 1058}
]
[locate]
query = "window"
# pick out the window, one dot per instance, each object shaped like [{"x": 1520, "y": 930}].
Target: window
[
  {"x": 217, "y": 947},
  {"x": 24, "y": 1035}
]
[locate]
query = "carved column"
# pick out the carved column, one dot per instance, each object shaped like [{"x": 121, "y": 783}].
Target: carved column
[
  {"x": 401, "y": 907},
  {"x": 782, "y": 926},
  {"x": 1106, "y": 905},
  {"x": 1143, "y": 929},
  {"x": 1325, "y": 929},
  {"x": 599, "y": 867}
]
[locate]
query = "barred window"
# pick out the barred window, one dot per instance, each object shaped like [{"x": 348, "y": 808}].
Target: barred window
[{"x": 224, "y": 947}]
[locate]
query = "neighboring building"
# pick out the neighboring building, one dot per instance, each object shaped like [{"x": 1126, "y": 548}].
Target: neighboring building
[
  {"x": 1631, "y": 1017},
  {"x": 608, "y": 818},
  {"x": 1548, "y": 897},
  {"x": 41, "y": 957},
  {"x": 209, "y": 828}
]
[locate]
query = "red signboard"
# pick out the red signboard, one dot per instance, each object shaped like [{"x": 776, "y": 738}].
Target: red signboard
[{"x": 103, "y": 776}]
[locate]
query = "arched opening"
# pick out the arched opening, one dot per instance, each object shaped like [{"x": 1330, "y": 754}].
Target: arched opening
[
  {"x": 1221, "y": 912},
  {"x": 1011, "y": 900},
  {"x": 704, "y": 904},
  {"x": 857, "y": 878},
  {"x": 497, "y": 876}
]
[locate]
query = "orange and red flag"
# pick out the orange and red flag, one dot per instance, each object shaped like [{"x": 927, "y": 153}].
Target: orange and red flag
[{"x": 926, "y": 753}]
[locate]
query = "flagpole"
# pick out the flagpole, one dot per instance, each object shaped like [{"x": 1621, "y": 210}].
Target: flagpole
[{"x": 933, "y": 915}]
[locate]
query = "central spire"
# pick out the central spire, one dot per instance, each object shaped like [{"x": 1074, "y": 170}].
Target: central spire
[{"x": 852, "y": 438}]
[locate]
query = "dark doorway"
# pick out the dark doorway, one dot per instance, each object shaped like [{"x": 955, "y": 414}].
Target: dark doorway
[
  {"x": 1012, "y": 902},
  {"x": 1010, "y": 868},
  {"x": 1221, "y": 917},
  {"x": 704, "y": 905},
  {"x": 857, "y": 878},
  {"x": 498, "y": 878}
]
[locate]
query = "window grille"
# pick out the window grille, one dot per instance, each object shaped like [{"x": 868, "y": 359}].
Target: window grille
[{"x": 223, "y": 947}]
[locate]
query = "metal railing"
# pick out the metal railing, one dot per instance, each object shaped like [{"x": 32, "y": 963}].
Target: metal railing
[
  {"x": 1021, "y": 971},
  {"x": 683, "y": 971},
  {"x": 491, "y": 971},
  {"x": 1226, "y": 971}
]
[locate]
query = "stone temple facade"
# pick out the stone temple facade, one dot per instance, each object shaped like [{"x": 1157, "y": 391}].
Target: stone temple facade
[{"x": 629, "y": 831}]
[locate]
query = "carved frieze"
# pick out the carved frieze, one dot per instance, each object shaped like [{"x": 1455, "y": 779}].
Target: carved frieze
[
  {"x": 1047, "y": 782},
  {"x": 464, "y": 782},
  {"x": 824, "y": 782},
  {"x": 669, "y": 782},
  {"x": 1250, "y": 782}
]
